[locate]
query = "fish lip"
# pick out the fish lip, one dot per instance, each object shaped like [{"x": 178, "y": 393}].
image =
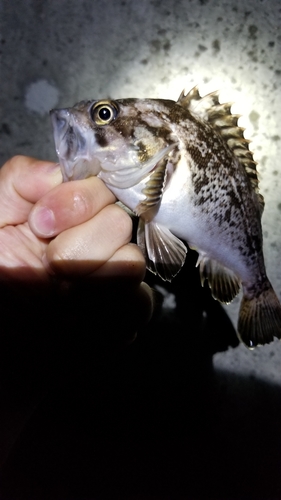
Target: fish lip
[
  {"x": 60, "y": 119},
  {"x": 65, "y": 148},
  {"x": 65, "y": 167},
  {"x": 70, "y": 143},
  {"x": 60, "y": 125}
]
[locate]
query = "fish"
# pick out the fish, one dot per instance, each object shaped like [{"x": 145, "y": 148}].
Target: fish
[{"x": 185, "y": 169}]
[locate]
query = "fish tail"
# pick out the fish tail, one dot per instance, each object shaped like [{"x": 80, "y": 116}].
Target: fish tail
[{"x": 260, "y": 317}]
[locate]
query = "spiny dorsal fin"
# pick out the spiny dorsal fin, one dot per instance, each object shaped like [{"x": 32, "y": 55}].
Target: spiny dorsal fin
[{"x": 209, "y": 109}]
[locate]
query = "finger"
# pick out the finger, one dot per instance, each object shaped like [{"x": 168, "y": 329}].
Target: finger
[
  {"x": 129, "y": 311},
  {"x": 21, "y": 255},
  {"x": 23, "y": 181},
  {"x": 130, "y": 308},
  {"x": 69, "y": 205},
  {"x": 83, "y": 249},
  {"x": 111, "y": 314},
  {"x": 123, "y": 274},
  {"x": 126, "y": 264},
  {"x": 146, "y": 304}
]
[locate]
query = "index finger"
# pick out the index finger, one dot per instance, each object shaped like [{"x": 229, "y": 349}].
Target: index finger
[{"x": 23, "y": 181}]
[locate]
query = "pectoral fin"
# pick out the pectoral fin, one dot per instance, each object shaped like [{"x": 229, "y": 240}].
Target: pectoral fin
[
  {"x": 153, "y": 191},
  {"x": 165, "y": 253},
  {"x": 223, "y": 282}
]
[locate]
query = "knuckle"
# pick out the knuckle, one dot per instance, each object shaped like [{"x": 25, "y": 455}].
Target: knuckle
[
  {"x": 13, "y": 164},
  {"x": 80, "y": 202},
  {"x": 120, "y": 220}
]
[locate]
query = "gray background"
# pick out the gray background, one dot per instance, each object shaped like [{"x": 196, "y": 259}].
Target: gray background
[{"x": 56, "y": 53}]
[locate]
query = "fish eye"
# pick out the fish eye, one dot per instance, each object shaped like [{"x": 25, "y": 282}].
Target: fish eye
[{"x": 103, "y": 113}]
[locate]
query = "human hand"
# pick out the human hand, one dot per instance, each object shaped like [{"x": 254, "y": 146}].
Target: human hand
[{"x": 68, "y": 246}]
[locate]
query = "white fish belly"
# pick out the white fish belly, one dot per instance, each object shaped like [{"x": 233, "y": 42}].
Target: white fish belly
[{"x": 188, "y": 222}]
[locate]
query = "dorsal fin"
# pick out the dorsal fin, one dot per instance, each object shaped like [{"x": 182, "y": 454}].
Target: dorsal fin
[{"x": 209, "y": 109}]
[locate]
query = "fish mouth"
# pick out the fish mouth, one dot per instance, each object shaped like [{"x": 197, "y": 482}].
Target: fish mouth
[{"x": 72, "y": 146}]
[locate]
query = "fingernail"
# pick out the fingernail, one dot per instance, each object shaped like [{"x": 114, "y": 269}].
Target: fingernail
[
  {"x": 52, "y": 168},
  {"x": 43, "y": 221}
]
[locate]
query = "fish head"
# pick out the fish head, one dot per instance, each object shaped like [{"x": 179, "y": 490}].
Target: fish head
[{"x": 120, "y": 141}]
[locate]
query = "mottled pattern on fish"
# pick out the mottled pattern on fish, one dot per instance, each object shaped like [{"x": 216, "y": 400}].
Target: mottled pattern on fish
[{"x": 186, "y": 170}]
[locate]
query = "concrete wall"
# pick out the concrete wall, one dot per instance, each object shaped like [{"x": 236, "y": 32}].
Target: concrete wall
[{"x": 55, "y": 53}]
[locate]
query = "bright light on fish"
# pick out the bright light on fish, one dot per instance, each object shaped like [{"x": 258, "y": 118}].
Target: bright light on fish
[{"x": 185, "y": 168}]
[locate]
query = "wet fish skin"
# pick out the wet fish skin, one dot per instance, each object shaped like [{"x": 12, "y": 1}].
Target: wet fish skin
[{"x": 186, "y": 170}]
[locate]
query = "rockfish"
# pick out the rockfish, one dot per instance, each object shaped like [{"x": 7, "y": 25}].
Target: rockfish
[{"x": 186, "y": 170}]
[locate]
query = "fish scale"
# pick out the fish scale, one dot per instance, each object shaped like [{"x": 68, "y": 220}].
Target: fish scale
[{"x": 186, "y": 170}]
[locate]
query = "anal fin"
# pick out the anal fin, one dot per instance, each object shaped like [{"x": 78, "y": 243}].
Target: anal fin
[
  {"x": 223, "y": 282},
  {"x": 165, "y": 253}
]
